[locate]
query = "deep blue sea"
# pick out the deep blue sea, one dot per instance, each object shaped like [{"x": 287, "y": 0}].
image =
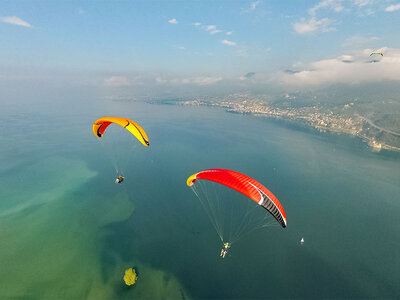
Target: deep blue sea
[{"x": 68, "y": 232}]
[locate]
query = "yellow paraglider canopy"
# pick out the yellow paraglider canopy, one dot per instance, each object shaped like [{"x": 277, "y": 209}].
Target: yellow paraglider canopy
[
  {"x": 130, "y": 277},
  {"x": 100, "y": 126}
]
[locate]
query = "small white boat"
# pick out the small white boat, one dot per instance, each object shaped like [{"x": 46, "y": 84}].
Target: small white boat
[{"x": 302, "y": 241}]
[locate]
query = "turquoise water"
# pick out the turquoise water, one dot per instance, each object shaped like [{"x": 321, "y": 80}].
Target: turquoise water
[{"x": 68, "y": 231}]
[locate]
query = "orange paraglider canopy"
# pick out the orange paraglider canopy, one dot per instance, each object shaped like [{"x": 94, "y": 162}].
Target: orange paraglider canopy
[{"x": 101, "y": 125}]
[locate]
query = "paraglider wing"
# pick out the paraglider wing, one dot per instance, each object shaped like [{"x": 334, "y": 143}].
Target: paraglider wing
[
  {"x": 245, "y": 185},
  {"x": 377, "y": 53},
  {"x": 100, "y": 126}
]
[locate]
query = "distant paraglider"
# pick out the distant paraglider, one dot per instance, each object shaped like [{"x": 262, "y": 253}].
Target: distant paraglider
[{"x": 376, "y": 53}]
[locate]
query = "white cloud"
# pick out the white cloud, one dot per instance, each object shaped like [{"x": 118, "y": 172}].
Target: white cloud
[
  {"x": 346, "y": 58},
  {"x": 181, "y": 48},
  {"x": 173, "y": 21},
  {"x": 365, "y": 7},
  {"x": 200, "y": 80},
  {"x": 253, "y": 5},
  {"x": 362, "y": 3},
  {"x": 229, "y": 43},
  {"x": 359, "y": 41},
  {"x": 242, "y": 52},
  {"x": 393, "y": 7},
  {"x": 212, "y": 29},
  {"x": 349, "y": 69},
  {"x": 313, "y": 25},
  {"x": 367, "y": 12},
  {"x": 196, "y": 24},
  {"x": 335, "y": 5},
  {"x": 229, "y": 33},
  {"x": 15, "y": 21},
  {"x": 161, "y": 80},
  {"x": 117, "y": 81}
]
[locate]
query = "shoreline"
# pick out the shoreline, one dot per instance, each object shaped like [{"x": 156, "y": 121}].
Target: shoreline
[{"x": 313, "y": 117}]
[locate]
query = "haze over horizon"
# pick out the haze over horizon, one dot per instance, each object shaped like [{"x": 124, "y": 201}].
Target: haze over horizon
[{"x": 177, "y": 45}]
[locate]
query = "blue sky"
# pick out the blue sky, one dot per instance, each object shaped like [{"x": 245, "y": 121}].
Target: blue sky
[{"x": 198, "y": 42}]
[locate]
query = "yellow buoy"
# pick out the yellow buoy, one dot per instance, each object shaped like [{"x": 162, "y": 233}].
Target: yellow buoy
[{"x": 130, "y": 277}]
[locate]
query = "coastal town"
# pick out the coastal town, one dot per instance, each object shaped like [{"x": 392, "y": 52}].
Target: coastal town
[{"x": 318, "y": 117}]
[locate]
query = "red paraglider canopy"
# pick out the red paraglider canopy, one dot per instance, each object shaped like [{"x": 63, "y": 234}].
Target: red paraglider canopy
[{"x": 245, "y": 185}]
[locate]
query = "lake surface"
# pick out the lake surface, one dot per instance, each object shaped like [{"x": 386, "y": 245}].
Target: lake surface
[{"x": 67, "y": 231}]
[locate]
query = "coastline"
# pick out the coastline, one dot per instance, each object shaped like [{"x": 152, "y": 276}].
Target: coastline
[{"x": 315, "y": 117}]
